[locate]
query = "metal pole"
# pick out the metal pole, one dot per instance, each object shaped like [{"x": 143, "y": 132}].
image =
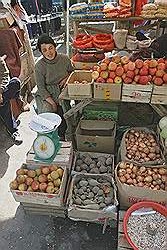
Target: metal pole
[{"x": 67, "y": 28}]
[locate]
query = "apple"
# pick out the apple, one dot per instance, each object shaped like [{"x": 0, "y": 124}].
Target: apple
[
  {"x": 20, "y": 179},
  {"x": 42, "y": 178},
  {"x": 125, "y": 67},
  {"x": 136, "y": 71},
  {"x": 143, "y": 80},
  {"x": 106, "y": 60},
  {"x": 161, "y": 66},
  {"x": 29, "y": 189},
  {"x": 22, "y": 187},
  {"x": 104, "y": 74},
  {"x": 45, "y": 170},
  {"x": 152, "y": 71},
  {"x": 160, "y": 73},
  {"x": 100, "y": 80},
  {"x": 143, "y": 71},
  {"x": 110, "y": 80},
  {"x": 160, "y": 60},
  {"x": 29, "y": 181},
  {"x": 13, "y": 185},
  {"x": 95, "y": 75},
  {"x": 136, "y": 78},
  {"x": 128, "y": 80},
  {"x": 119, "y": 71},
  {"x": 38, "y": 171},
  {"x": 123, "y": 76},
  {"x": 103, "y": 66},
  {"x": 35, "y": 185},
  {"x": 112, "y": 66},
  {"x": 42, "y": 186},
  {"x": 112, "y": 74},
  {"x": 165, "y": 78},
  {"x": 153, "y": 63},
  {"x": 116, "y": 59},
  {"x": 50, "y": 189},
  {"x": 96, "y": 68},
  {"x": 20, "y": 171},
  {"x": 53, "y": 167},
  {"x": 31, "y": 173},
  {"x": 131, "y": 66},
  {"x": 124, "y": 59},
  {"x": 158, "y": 81},
  {"x": 51, "y": 184},
  {"x": 130, "y": 74},
  {"x": 139, "y": 63},
  {"x": 118, "y": 79},
  {"x": 49, "y": 177}
]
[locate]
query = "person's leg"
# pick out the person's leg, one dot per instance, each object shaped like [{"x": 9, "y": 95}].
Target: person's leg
[
  {"x": 6, "y": 115},
  {"x": 63, "y": 126},
  {"x": 12, "y": 89}
]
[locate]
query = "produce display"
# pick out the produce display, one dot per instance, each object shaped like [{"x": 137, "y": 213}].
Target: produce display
[
  {"x": 46, "y": 179},
  {"x": 88, "y": 57},
  {"x": 89, "y": 163},
  {"x": 96, "y": 193},
  {"x": 141, "y": 146},
  {"x": 140, "y": 176},
  {"x": 152, "y": 10},
  {"x": 99, "y": 41},
  {"x": 122, "y": 10},
  {"x": 149, "y": 230},
  {"x": 123, "y": 70}
]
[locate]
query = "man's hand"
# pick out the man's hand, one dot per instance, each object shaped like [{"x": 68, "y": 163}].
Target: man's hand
[
  {"x": 63, "y": 82},
  {"x": 1, "y": 99}
]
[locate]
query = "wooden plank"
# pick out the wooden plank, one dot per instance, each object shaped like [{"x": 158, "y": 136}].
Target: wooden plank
[
  {"x": 137, "y": 87},
  {"x": 139, "y": 100},
  {"x": 159, "y": 99},
  {"x": 78, "y": 107},
  {"x": 160, "y": 90},
  {"x": 122, "y": 242},
  {"x": 159, "y": 109}
]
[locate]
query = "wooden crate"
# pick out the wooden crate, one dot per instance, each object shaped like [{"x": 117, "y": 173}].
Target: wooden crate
[
  {"x": 64, "y": 156},
  {"x": 159, "y": 95},
  {"x": 136, "y": 93},
  {"x": 107, "y": 91},
  {"x": 122, "y": 242},
  {"x": 44, "y": 209}
]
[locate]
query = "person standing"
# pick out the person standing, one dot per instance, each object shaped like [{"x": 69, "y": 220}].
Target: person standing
[
  {"x": 9, "y": 89},
  {"x": 52, "y": 71}
]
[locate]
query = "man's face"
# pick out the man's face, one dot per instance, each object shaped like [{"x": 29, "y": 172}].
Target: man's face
[{"x": 48, "y": 51}]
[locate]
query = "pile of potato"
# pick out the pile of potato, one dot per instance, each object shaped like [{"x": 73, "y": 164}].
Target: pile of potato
[
  {"x": 87, "y": 163},
  {"x": 95, "y": 193}
]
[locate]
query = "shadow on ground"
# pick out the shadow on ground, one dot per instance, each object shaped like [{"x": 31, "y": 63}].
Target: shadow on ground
[{"x": 50, "y": 233}]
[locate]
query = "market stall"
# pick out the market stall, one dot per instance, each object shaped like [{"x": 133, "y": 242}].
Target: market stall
[{"x": 108, "y": 165}]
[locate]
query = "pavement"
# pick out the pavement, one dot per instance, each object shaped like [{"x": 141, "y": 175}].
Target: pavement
[{"x": 21, "y": 231}]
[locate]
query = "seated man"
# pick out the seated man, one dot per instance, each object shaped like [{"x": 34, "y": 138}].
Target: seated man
[{"x": 9, "y": 89}]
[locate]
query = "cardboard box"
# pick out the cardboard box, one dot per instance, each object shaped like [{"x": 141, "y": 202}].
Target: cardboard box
[
  {"x": 80, "y": 89},
  {"x": 83, "y": 213},
  {"x": 110, "y": 170},
  {"x": 129, "y": 195},
  {"x": 107, "y": 91},
  {"x": 136, "y": 93},
  {"x": 96, "y": 136},
  {"x": 42, "y": 198}
]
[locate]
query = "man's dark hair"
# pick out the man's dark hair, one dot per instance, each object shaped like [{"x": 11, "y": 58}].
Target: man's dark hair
[{"x": 44, "y": 38}]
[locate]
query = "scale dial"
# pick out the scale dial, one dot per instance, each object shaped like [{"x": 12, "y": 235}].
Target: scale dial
[{"x": 44, "y": 147}]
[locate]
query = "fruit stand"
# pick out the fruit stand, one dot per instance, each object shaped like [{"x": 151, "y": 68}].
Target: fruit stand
[{"x": 109, "y": 165}]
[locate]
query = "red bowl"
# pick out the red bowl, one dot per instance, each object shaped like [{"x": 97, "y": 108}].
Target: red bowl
[{"x": 146, "y": 204}]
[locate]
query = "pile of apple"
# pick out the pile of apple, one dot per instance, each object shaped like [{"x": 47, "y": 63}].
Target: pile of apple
[
  {"x": 46, "y": 179},
  {"x": 122, "y": 70}
]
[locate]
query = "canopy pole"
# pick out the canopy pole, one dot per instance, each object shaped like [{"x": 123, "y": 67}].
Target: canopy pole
[{"x": 67, "y": 28}]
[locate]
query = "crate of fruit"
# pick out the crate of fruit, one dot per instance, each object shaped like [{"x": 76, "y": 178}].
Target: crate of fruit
[
  {"x": 93, "y": 163},
  {"x": 79, "y": 83},
  {"x": 40, "y": 185},
  {"x": 136, "y": 93},
  {"x": 92, "y": 198}
]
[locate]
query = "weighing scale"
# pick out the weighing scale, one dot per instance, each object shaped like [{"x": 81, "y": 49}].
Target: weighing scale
[{"x": 47, "y": 143}]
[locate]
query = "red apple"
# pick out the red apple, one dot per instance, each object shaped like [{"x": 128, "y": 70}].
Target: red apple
[
  {"x": 119, "y": 71},
  {"x": 136, "y": 71},
  {"x": 130, "y": 74},
  {"x": 96, "y": 68},
  {"x": 29, "y": 181},
  {"x": 143, "y": 71},
  {"x": 136, "y": 78},
  {"x": 110, "y": 80},
  {"x": 106, "y": 60},
  {"x": 128, "y": 80},
  {"x": 116, "y": 59},
  {"x": 45, "y": 170},
  {"x": 124, "y": 59},
  {"x": 31, "y": 173},
  {"x": 95, "y": 75},
  {"x": 158, "y": 81},
  {"x": 143, "y": 80},
  {"x": 118, "y": 79},
  {"x": 152, "y": 71},
  {"x": 42, "y": 178},
  {"x": 112, "y": 66},
  {"x": 131, "y": 66},
  {"x": 160, "y": 73},
  {"x": 42, "y": 186},
  {"x": 161, "y": 66},
  {"x": 103, "y": 66},
  {"x": 35, "y": 185},
  {"x": 112, "y": 74},
  {"x": 123, "y": 76},
  {"x": 161, "y": 60},
  {"x": 125, "y": 67},
  {"x": 165, "y": 78},
  {"x": 104, "y": 74},
  {"x": 153, "y": 63},
  {"x": 139, "y": 63},
  {"x": 100, "y": 80}
]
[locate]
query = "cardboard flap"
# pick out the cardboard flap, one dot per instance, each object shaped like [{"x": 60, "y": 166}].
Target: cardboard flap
[{"x": 97, "y": 125}]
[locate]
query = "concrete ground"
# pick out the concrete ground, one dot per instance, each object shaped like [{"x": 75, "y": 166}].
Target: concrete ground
[{"x": 20, "y": 231}]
